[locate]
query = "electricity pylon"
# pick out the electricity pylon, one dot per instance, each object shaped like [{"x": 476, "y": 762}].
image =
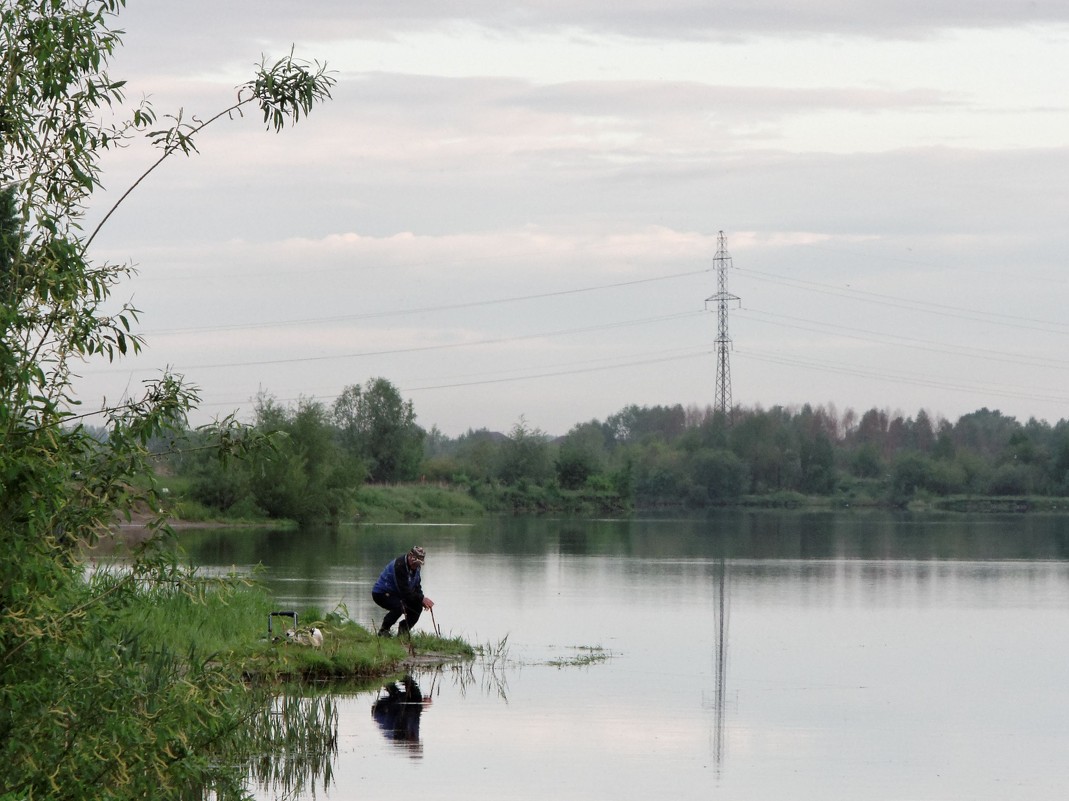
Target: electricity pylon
[{"x": 723, "y": 299}]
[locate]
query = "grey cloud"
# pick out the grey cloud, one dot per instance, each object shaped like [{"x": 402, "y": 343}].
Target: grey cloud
[
  {"x": 190, "y": 26},
  {"x": 674, "y": 97},
  {"x": 429, "y": 154}
]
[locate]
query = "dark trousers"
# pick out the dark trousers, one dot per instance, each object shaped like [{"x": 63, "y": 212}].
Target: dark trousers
[{"x": 395, "y": 606}]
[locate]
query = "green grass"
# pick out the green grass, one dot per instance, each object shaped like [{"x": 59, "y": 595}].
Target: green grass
[
  {"x": 381, "y": 504},
  {"x": 214, "y": 617},
  {"x": 228, "y": 624},
  {"x": 241, "y": 514},
  {"x": 193, "y": 512}
]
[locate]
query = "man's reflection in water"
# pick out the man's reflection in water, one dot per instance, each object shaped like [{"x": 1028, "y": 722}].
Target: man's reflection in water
[{"x": 397, "y": 714}]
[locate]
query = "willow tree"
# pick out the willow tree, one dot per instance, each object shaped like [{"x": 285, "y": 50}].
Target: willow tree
[{"x": 86, "y": 709}]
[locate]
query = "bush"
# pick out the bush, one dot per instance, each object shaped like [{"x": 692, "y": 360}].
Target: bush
[
  {"x": 719, "y": 473},
  {"x": 1010, "y": 479}
]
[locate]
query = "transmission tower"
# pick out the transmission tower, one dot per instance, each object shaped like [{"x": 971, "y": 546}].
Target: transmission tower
[{"x": 723, "y": 300}]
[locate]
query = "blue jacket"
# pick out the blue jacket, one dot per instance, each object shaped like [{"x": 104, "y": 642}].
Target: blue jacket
[{"x": 397, "y": 579}]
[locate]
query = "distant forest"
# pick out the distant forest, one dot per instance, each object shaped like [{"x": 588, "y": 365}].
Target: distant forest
[{"x": 640, "y": 457}]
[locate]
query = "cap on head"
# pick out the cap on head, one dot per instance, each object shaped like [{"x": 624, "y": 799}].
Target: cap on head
[{"x": 418, "y": 554}]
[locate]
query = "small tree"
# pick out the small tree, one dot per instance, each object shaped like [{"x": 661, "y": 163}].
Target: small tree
[
  {"x": 659, "y": 473},
  {"x": 817, "y": 463},
  {"x": 720, "y": 473},
  {"x": 307, "y": 477},
  {"x": 476, "y": 453},
  {"x": 911, "y": 473},
  {"x": 581, "y": 455},
  {"x": 379, "y": 427},
  {"x": 524, "y": 456}
]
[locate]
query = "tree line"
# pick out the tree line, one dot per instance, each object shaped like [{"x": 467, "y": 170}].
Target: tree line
[
  {"x": 312, "y": 458},
  {"x": 639, "y": 457}
]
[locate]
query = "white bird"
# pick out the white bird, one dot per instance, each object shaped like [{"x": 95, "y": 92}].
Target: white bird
[{"x": 312, "y": 636}]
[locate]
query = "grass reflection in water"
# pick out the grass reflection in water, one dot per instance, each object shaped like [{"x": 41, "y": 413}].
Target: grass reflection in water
[{"x": 297, "y": 743}]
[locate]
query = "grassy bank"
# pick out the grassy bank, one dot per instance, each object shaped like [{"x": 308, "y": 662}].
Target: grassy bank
[
  {"x": 228, "y": 620},
  {"x": 410, "y": 502},
  {"x": 373, "y": 504},
  {"x": 995, "y": 504},
  {"x": 442, "y": 502}
]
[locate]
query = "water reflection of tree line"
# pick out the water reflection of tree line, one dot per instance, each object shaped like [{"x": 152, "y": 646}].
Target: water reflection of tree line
[{"x": 732, "y": 534}]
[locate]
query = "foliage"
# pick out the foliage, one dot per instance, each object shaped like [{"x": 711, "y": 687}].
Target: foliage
[
  {"x": 101, "y": 710},
  {"x": 661, "y": 456},
  {"x": 378, "y": 427},
  {"x": 209, "y": 481},
  {"x": 693, "y": 458},
  {"x": 304, "y": 476},
  {"x": 524, "y": 457},
  {"x": 637, "y": 423},
  {"x": 910, "y": 474},
  {"x": 88, "y": 706},
  {"x": 309, "y": 478},
  {"x": 817, "y": 465},
  {"x": 319, "y": 458},
  {"x": 720, "y": 473},
  {"x": 581, "y": 456},
  {"x": 660, "y": 474},
  {"x": 476, "y": 453}
]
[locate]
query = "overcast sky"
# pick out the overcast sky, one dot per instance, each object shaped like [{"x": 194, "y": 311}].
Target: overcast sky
[{"x": 513, "y": 210}]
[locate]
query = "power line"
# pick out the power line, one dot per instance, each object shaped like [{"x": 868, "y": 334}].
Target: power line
[
  {"x": 722, "y": 343},
  {"x": 647, "y": 357},
  {"x": 654, "y": 357},
  {"x": 425, "y": 348},
  {"x": 898, "y": 377},
  {"x": 881, "y": 338},
  {"x": 945, "y": 310},
  {"x": 421, "y": 309},
  {"x": 638, "y": 363}
]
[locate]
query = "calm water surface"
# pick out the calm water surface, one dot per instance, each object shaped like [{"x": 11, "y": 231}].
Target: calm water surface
[{"x": 753, "y": 656}]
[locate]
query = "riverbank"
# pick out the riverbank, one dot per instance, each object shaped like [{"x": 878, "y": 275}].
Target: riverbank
[
  {"x": 232, "y": 618},
  {"x": 409, "y": 502},
  {"x": 237, "y": 621},
  {"x": 344, "y": 651},
  {"x": 415, "y": 503}
]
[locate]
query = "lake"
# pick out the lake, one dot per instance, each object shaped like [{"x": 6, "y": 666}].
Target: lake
[{"x": 747, "y": 655}]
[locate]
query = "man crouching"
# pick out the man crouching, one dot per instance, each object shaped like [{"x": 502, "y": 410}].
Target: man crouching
[{"x": 399, "y": 592}]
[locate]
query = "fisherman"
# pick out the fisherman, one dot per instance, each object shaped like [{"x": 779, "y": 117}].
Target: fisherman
[{"x": 400, "y": 593}]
